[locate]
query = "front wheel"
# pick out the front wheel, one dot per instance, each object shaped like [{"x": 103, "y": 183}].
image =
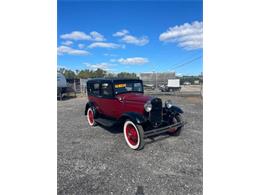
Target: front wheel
[
  {"x": 176, "y": 131},
  {"x": 134, "y": 135}
]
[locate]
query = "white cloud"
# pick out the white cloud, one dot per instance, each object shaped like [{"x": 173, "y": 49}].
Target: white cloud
[
  {"x": 68, "y": 50},
  {"x": 81, "y": 46},
  {"x": 113, "y": 60},
  {"x": 135, "y": 40},
  {"x": 68, "y": 43},
  {"x": 132, "y": 61},
  {"x": 76, "y": 35},
  {"x": 109, "y": 54},
  {"x": 130, "y": 39},
  {"x": 103, "y": 65},
  {"x": 97, "y": 36},
  {"x": 188, "y": 36},
  {"x": 121, "y": 33},
  {"x": 105, "y": 45}
]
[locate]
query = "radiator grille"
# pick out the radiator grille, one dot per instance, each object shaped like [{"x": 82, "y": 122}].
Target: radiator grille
[{"x": 156, "y": 112}]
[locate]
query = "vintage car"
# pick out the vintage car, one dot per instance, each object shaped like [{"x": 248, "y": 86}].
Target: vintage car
[{"x": 122, "y": 101}]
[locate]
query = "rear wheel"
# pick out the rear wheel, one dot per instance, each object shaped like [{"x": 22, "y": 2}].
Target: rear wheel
[
  {"x": 134, "y": 135},
  {"x": 90, "y": 117},
  {"x": 176, "y": 131}
]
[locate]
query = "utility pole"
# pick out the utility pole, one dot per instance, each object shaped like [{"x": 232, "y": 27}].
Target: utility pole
[
  {"x": 155, "y": 80},
  {"x": 155, "y": 74}
]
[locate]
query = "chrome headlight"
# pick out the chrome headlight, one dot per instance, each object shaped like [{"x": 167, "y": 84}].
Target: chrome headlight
[
  {"x": 168, "y": 103},
  {"x": 148, "y": 106}
]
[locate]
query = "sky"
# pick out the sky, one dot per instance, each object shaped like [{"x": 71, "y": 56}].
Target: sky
[{"x": 131, "y": 36}]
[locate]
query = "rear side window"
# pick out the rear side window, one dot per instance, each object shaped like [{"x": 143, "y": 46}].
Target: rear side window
[
  {"x": 106, "y": 90},
  {"x": 93, "y": 89}
]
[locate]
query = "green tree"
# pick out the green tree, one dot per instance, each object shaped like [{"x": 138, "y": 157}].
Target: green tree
[
  {"x": 111, "y": 75},
  {"x": 69, "y": 74},
  {"x": 84, "y": 74},
  {"x": 99, "y": 73}
]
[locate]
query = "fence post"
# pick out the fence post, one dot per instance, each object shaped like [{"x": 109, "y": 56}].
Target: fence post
[{"x": 74, "y": 85}]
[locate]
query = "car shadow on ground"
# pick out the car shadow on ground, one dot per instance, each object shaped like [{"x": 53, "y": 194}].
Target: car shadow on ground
[
  {"x": 157, "y": 138},
  {"x": 116, "y": 129}
]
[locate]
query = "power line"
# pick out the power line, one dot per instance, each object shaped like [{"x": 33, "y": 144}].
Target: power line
[{"x": 186, "y": 63}]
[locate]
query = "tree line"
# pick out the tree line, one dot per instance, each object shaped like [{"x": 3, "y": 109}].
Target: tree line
[
  {"x": 99, "y": 73},
  {"x": 190, "y": 79}
]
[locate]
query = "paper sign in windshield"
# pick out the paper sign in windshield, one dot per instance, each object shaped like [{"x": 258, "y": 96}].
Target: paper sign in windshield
[{"x": 120, "y": 85}]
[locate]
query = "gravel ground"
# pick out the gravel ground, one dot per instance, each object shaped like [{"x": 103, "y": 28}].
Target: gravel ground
[{"x": 98, "y": 161}]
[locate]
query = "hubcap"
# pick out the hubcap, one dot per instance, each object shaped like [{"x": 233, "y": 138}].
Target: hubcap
[{"x": 131, "y": 134}]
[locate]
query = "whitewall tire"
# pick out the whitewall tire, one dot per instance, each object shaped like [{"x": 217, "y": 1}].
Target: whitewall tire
[
  {"x": 90, "y": 117},
  {"x": 133, "y": 134}
]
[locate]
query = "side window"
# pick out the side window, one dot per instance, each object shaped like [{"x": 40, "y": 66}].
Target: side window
[
  {"x": 93, "y": 89},
  {"x": 137, "y": 87},
  {"x": 106, "y": 90}
]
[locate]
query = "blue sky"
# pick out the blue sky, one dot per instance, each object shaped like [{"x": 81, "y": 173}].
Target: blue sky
[{"x": 133, "y": 36}]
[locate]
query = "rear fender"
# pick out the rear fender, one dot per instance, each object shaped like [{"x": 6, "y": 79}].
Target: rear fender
[
  {"x": 88, "y": 105},
  {"x": 133, "y": 116}
]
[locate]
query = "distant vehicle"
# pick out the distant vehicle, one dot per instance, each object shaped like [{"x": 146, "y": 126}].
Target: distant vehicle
[
  {"x": 149, "y": 86},
  {"x": 196, "y": 82},
  {"x": 186, "y": 83},
  {"x": 172, "y": 85},
  {"x": 122, "y": 101},
  {"x": 61, "y": 85}
]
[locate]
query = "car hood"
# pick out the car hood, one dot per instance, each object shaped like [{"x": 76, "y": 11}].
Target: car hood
[{"x": 135, "y": 97}]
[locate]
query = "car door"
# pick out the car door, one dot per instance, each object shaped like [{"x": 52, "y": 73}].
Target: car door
[
  {"x": 94, "y": 94},
  {"x": 109, "y": 105}
]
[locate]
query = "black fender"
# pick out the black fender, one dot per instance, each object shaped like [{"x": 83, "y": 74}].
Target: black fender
[
  {"x": 133, "y": 116},
  {"x": 89, "y": 104},
  {"x": 176, "y": 110}
]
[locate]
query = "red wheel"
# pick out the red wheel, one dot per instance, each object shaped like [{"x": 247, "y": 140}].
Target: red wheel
[
  {"x": 90, "y": 117},
  {"x": 133, "y": 135},
  {"x": 176, "y": 131}
]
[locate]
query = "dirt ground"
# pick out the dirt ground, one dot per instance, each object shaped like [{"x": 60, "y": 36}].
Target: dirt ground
[{"x": 95, "y": 160}]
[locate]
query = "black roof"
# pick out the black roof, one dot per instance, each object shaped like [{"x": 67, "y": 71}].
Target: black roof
[{"x": 112, "y": 79}]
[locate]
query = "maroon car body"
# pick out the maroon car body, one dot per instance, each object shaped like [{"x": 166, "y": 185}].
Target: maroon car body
[
  {"x": 122, "y": 101},
  {"x": 126, "y": 102}
]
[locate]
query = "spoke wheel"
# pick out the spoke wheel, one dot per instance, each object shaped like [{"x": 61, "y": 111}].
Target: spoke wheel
[
  {"x": 133, "y": 134},
  {"x": 176, "y": 131},
  {"x": 90, "y": 117}
]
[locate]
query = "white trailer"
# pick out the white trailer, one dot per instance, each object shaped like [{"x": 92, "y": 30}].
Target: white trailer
[
  {"x": 61, "y": 85},
  {"x": 61, "y": 80},
  {"x": 172, "y": 85}
]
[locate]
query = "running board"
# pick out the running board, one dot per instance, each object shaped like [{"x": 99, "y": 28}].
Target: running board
[
  {"x": 162, "y": 129},
  {"x": 105, "y": 122}
]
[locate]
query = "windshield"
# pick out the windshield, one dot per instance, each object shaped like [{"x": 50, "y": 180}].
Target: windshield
[{"x": 128, "y": 86}]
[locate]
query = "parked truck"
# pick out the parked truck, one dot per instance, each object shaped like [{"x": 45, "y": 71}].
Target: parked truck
[{"x": 172, "y": 85}]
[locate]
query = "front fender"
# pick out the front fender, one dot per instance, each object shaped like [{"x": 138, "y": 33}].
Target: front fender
[
  {"x": 133, "y": 116},
  {"x": 176, "y": 110}
]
